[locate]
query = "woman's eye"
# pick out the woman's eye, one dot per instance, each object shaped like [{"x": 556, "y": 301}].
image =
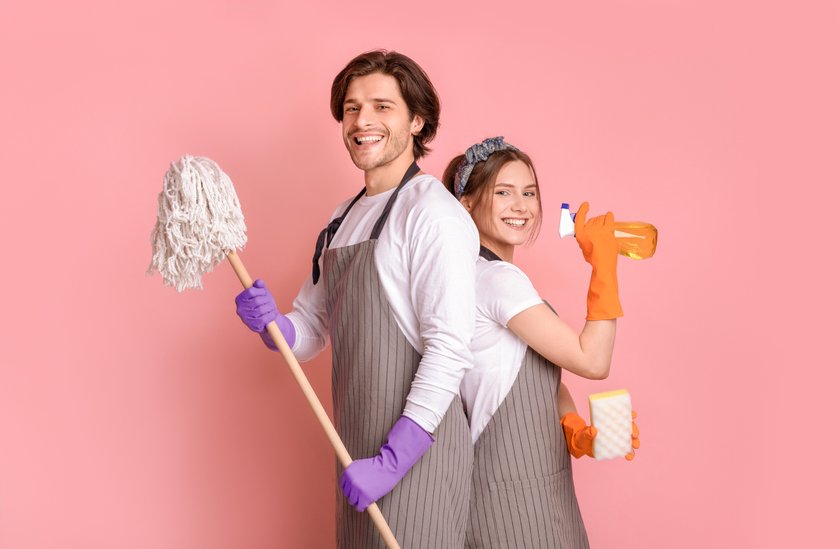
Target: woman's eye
[
  {"x": 530, "y": 193},
  {"x": 502, "y": 193}
]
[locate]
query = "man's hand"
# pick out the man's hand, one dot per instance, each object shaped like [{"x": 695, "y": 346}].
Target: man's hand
[{"x": 366, "y": 480}]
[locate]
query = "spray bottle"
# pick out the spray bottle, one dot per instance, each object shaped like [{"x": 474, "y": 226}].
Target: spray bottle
[{"x": 636, "y": 239}]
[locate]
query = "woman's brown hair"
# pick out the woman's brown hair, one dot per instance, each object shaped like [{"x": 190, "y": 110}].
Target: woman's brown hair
[{"x": 483, "y": 178}]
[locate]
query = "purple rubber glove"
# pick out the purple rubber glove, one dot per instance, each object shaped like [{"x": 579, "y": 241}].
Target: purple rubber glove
[
  {"x": 366, "y": 480},
  {"x": 256, "y": 307}
]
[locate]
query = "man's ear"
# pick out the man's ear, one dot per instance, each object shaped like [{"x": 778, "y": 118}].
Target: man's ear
[{"x": 417, "y": 124}]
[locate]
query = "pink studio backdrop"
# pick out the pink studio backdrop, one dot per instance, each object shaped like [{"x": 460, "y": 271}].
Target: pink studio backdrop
[{"x": 133, "y": 417}]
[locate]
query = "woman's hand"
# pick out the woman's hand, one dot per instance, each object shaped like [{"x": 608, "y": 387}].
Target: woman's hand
[
  {"x": 596, "y": 239},
  {"x": 635, "y": 438}
]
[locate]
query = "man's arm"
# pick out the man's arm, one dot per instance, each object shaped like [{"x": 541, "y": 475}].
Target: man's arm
[
  {"x": 442, "y": 287},
  {"x": 309, "y": 317}
]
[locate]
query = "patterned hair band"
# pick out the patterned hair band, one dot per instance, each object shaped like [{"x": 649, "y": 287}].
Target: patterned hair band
[{"x": 475, "y": 154}]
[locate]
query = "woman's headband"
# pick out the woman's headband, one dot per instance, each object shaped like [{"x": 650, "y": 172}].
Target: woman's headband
[{"x": 475, "y": 154}]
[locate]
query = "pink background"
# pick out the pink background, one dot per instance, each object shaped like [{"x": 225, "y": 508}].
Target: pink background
[{"x": 132, "y": 417}]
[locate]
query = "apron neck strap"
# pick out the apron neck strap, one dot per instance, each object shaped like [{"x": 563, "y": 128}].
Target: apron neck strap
[
  {"x": 487, "y": 254},
  {"x": 327, "y": 234},
  {"x": 409, "y": 173}
]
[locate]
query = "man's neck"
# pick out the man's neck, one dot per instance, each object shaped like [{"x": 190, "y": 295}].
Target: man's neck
[{"x": 385, "y": 178}]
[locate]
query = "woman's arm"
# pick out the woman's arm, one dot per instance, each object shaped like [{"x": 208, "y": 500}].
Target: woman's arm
[
  {"x": 565, "y": 404},
  {"x": 587, "y": 355},
  {"x": 579, "y": 438}
]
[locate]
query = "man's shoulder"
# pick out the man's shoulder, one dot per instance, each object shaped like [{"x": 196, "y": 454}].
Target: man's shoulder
[{"x": 426, "y": 196}]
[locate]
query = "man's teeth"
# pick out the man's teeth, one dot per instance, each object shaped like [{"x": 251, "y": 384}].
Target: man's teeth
[
  {"x": 368, "y": 139},
  {"x": 515, "y": 222}
]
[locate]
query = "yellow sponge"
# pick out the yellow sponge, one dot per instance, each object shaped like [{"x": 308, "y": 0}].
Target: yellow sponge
[{"x": 612, "y": 414}]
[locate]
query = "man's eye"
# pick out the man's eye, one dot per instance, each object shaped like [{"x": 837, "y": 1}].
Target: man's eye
[
  {"x": 351, "y": 109},
  {"x": 382, "y": 107}
]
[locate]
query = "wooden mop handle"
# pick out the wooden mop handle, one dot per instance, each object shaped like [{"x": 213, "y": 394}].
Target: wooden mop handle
[{"x": 314, "y": 403}]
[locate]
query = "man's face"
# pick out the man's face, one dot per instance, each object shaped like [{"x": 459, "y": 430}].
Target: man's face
[{"x": 377, "y": 126}]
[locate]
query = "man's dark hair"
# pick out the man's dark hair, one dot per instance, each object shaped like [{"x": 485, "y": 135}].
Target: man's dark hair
[{"x": 415, "y": 86}]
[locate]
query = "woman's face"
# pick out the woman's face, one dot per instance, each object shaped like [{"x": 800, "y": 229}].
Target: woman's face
[{"x": 510, "y": 216}]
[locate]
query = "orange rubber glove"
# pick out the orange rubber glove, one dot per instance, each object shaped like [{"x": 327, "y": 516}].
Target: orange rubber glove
[
  {"x": 596, "y": 239},
  {"x": 580, "y": 439},
  {"x": 635, "y": 436}
]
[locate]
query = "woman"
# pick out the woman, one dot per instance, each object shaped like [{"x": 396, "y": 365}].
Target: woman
[{"x": 522, "y": 489}]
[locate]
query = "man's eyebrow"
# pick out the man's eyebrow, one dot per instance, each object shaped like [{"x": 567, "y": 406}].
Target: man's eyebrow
[{"x": 374, "y": 100}]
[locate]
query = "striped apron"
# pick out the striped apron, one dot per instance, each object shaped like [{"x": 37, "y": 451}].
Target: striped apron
[
  {"x": 373, "y": 367},
  {"x": 522, "y": 489}
]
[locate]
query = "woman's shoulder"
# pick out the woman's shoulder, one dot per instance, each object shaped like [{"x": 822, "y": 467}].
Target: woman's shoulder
[
  {"x": 502, "y": 290},
  {"x": 500, "y": 275}
]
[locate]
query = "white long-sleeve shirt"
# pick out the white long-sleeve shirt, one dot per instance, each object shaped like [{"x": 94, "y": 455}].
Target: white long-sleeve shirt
[{"x": 425, "y": 258}]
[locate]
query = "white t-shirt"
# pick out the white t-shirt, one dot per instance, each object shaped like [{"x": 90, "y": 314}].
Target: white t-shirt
[
  {"x": 426, "y": 260},
  {"x": 502, "y": 292}
]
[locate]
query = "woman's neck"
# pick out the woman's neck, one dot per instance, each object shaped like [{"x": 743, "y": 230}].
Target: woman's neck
[{"x": 504, "y": 252}]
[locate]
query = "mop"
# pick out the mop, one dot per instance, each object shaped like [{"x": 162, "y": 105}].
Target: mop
[{"x": 199, "y": 224}]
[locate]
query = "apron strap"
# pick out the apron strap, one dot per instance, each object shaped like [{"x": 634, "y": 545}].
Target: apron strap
[
  {"x": 327, "y": 234},
  {"x": 410, "y": 172},
  {"x": 325, "y": 237},
  {"x": 488, "y": 255}
]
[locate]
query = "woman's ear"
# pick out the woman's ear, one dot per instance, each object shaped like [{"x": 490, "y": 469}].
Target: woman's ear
[{"x": 467, "y": 203}]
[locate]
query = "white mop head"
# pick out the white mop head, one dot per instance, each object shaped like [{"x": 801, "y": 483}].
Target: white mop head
[
  {"x": 199, "y": 221},
  {"x": 612, "y": 414}
]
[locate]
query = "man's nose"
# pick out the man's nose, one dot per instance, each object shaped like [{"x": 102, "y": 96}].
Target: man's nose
[{"x": 365, "y": 116}]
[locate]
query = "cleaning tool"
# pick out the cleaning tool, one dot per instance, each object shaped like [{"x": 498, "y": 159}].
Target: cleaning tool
[
  {"x": 199, "y": 224},
  {"x": 580, "y": 438},
  {"x": 612, "y": 415},
  {"x": 600, "y": 249},
  {"x": 636, "y": 239}
]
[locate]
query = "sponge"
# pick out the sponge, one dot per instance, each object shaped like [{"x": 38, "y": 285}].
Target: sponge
[{"x": 612, "y": 414}]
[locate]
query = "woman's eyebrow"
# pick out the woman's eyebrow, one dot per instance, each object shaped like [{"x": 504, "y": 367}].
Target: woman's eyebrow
[{"x": 532, "y": 186}]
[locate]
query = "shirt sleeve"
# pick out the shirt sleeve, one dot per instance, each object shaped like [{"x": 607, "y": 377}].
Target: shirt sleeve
[
  {"x": 442, "y": 291},
  {"x": 505, "y": 292},
  {"x": 309, "y": 317},
  {"x": 309, "y": 311}
]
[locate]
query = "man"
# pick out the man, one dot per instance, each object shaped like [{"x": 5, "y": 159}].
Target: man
[{"x": 397, "y": 298}]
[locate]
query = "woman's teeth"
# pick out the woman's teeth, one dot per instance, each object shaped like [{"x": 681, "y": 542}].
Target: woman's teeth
[
  {"x": 515, "y": 222},
  {"x": 368, "y": 139}
]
